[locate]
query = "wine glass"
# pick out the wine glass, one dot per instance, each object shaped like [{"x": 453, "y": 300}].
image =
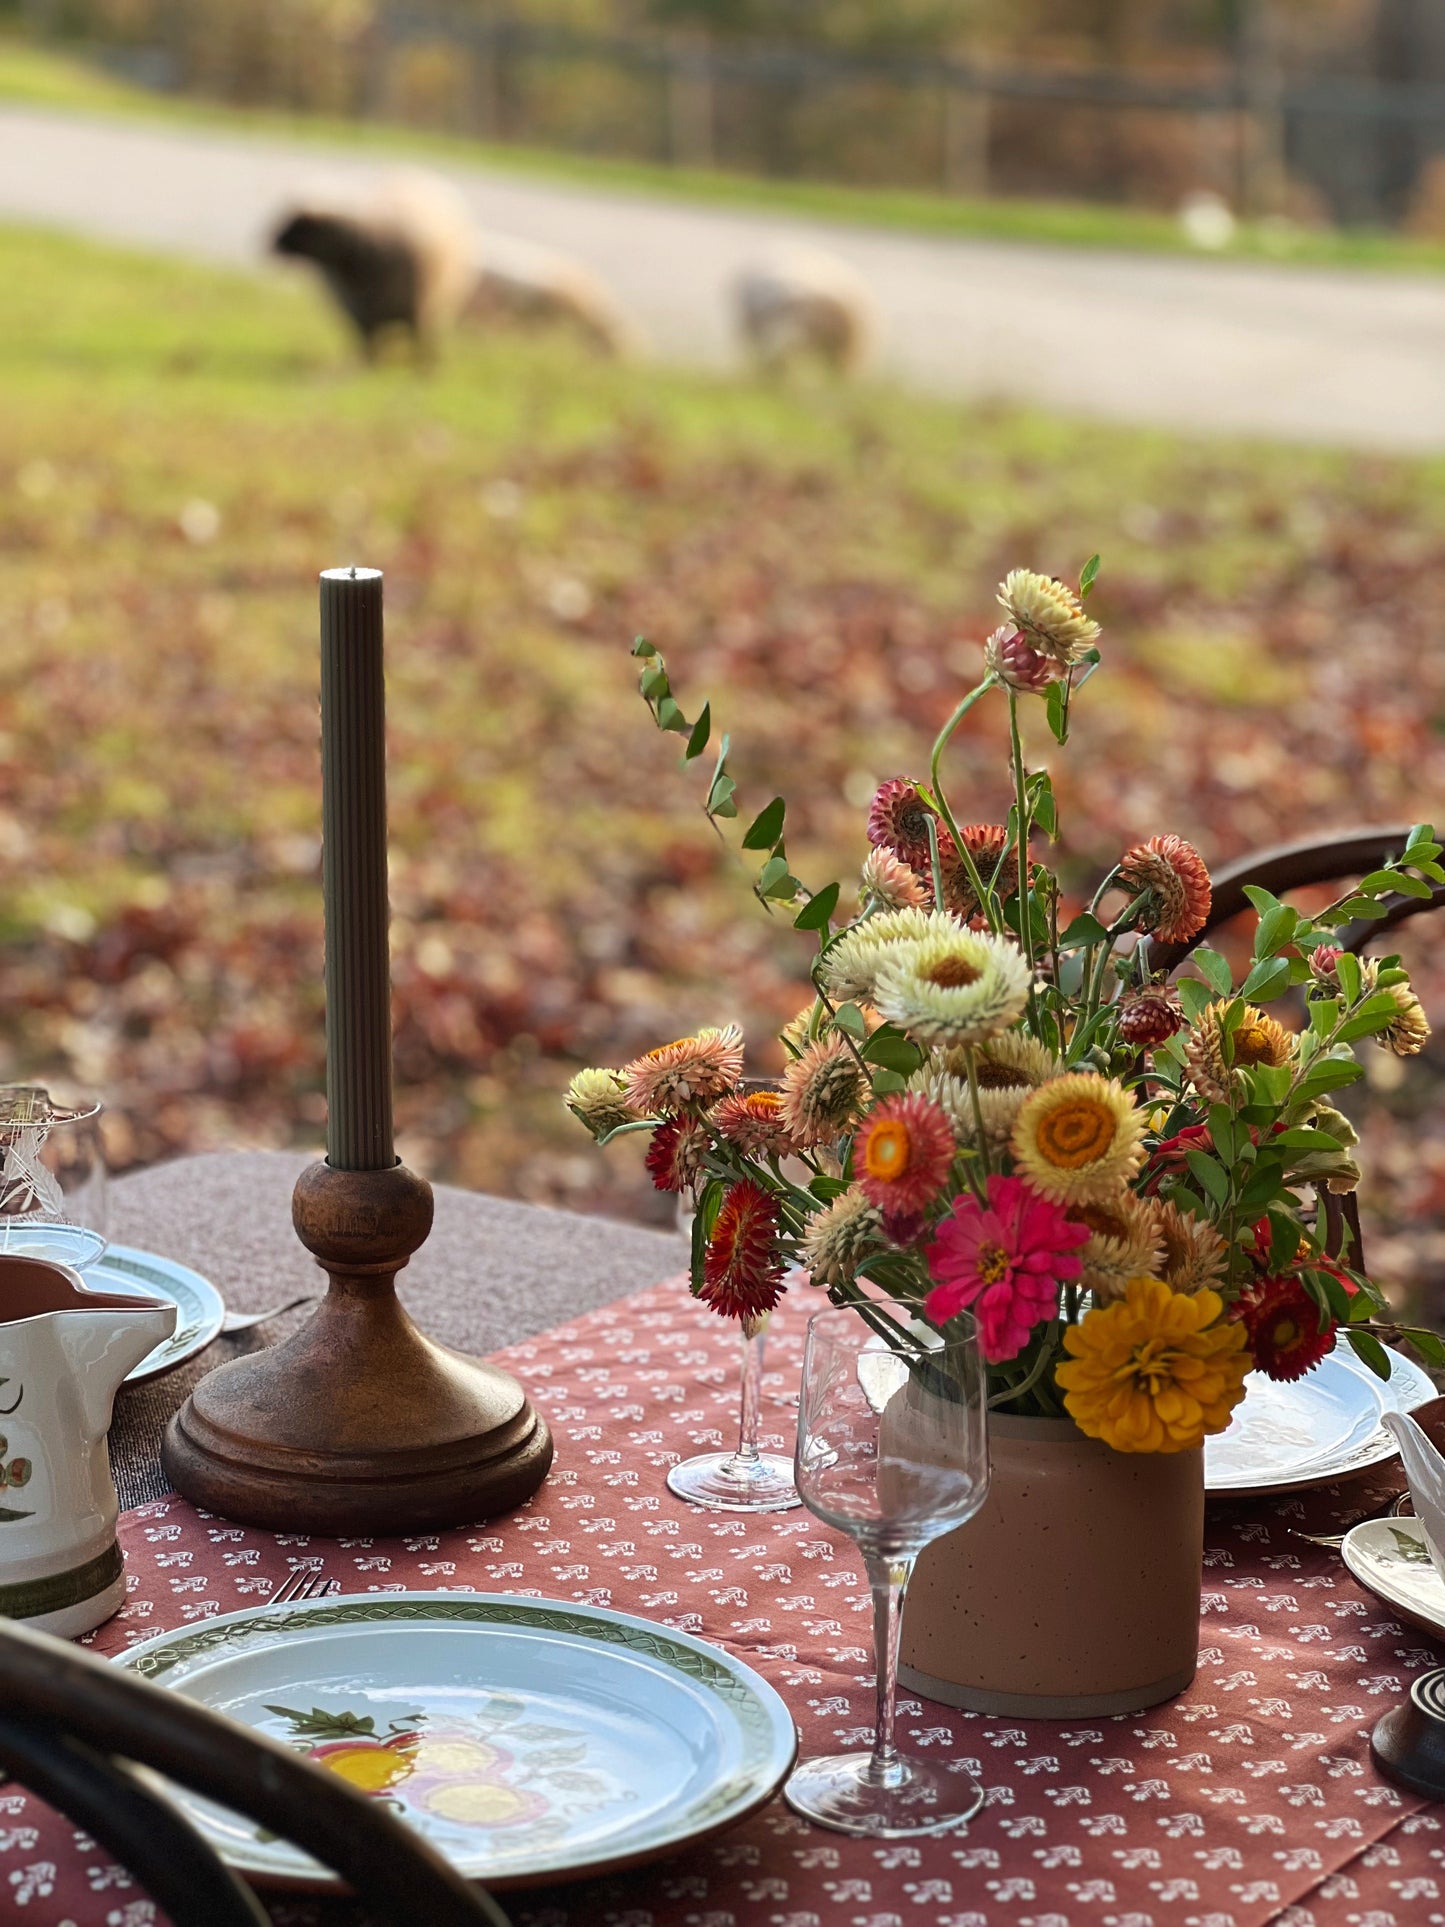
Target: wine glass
[
  {"x": 745, "y": 1479},
  {"x": 52, "y": 1176},
  {"x": 892, "y": 1450}
]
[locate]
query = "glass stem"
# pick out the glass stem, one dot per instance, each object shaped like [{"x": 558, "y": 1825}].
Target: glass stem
[
  {"x": 755, "y": 1338},
  {"x": 888, "y": 1581}
]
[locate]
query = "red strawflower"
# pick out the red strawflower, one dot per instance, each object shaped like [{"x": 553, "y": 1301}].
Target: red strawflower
[
  {"x": 675, "y": 1152},
  {"x": 1006, "y": 1261},
  {"x": 753, "y": 1121},
  {"x": 898, "y": 820},
  {"x": 1173, "y": 873},
  {"x": 1151, "y": 1016},
  {"x": 742, "y": 1274},
  {"x": 1288, "y": 1333},
  {"x": 1323, "y": 960},
  {"x": 903, "y": 1154},
  {"x": 985, "y": 843},
  {"x": 1167, "y": 1159}
]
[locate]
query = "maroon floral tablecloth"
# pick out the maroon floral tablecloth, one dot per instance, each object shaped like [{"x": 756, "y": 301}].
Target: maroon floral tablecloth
[{"x": 1250, "y": 1800}]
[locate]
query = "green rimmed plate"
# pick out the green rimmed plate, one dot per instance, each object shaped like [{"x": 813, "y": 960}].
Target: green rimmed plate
[
  {"x": 200, "y": 1308},
  {"x": 528, "y": 1739}
]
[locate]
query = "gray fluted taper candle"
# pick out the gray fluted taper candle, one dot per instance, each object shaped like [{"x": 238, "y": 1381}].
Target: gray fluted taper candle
[{"x": 353, "y": 872}]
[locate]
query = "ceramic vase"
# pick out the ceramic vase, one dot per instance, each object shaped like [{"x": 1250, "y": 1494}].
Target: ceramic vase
[{"x": 1074, "y": 1592}]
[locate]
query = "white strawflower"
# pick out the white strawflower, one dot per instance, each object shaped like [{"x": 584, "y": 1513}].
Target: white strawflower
[
  {"x": 1006, "y": 1069},
  {"x": 598, "y": 1099},
  {"x": 958, "y": 987},
  {"x": 840, "y": 1238},
  {"x": 851, "y": 964},
  {"x": 1050, "y": 615},
  {"x": 889, "y": 879}
]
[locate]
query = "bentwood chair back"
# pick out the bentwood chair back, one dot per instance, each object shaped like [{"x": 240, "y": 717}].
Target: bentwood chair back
[{"x": 71, "y": 1725}]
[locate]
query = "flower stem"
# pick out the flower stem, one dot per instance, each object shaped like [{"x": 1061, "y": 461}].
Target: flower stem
[
  {"x": 976, "y": 882},
  {"x": 1026, "y": 927},
  {"x": 971, "y": 1058}
]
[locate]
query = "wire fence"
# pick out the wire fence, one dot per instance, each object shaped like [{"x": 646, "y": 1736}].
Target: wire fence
[{"x": 1343, "y": 148}]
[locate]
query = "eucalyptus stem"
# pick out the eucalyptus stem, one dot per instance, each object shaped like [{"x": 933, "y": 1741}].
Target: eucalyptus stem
[{"x": 941, "y": 741}]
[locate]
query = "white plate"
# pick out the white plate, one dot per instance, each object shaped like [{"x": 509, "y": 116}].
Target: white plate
[
  {"x": 528, "y": 1739},
  {"x": 200, "y": 1309},
  {"x": 1389, "y": 1557},
  {"x": 1318, "y": 1428}
]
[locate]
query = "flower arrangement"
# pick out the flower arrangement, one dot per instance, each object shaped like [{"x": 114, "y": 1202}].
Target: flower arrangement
[{"x": 987, "y": 1108}]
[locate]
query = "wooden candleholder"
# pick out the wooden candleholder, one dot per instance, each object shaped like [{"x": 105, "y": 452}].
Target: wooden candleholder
[{"x": 358, "y": 1423}]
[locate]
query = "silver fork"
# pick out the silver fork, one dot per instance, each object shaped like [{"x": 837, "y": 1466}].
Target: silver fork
[
  {"x": 302, "y": 1582},
  {"x": 243, "y": 1321},
  {"x": 1333, "y": 1541}
]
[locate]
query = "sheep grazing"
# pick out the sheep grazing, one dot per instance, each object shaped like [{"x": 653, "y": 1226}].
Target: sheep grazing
[
  {"x": 804, "y": 305},
  {"x": 406, "y": 260},
  {"x": 533, "y": 287}
]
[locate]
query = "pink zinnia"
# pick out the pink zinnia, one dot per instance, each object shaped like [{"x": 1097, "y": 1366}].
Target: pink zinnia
[{"x": 1006, "y": 1261}]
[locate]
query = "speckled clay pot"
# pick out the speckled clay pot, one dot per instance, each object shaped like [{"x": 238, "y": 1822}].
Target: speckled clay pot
[{"x": 1074, "y": 1592}]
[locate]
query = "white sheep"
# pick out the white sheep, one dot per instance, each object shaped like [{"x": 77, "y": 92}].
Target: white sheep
[
  {"x": 801, "y": 304},
  {"x": 520, "y": 282}
]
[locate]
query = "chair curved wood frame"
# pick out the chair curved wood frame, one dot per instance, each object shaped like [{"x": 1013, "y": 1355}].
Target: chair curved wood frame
[
  {"x": 112, "y": 1711},
  {"x": 180, "y": 1872},
  {"x": 1296, "y": 866}
]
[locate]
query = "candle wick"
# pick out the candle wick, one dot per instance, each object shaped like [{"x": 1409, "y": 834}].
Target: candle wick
[{"x": 353, "y": 571}]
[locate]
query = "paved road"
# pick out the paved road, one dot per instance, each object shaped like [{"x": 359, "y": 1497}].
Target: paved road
[{"x": 1298, "y": 353}]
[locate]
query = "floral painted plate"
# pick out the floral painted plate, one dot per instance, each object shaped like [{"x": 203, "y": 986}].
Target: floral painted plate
[
  {"x": 528, "y": 1739},
  {"x": 200, "y": 1308},
  {"x": 1389, "y": 1557},
  {"x": 1318, "y": 1428}
]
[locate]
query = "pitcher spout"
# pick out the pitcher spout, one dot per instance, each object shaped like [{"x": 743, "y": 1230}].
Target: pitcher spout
[
  {"x": 100, "y": 1335},
  {"x": 1425, "y": 1470}
]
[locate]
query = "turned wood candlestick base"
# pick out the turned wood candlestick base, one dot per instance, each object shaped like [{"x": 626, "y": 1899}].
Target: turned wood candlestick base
[{"x": 358, "y": 1423}]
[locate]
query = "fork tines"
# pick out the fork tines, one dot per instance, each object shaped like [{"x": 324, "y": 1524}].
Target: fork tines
[{"x": 303, "y": 1582}]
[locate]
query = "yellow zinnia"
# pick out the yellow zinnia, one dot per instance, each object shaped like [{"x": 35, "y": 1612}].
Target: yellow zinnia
[
  {"x": 1079, "y": 1138},
  {"x": 1158, "y": 1371}
]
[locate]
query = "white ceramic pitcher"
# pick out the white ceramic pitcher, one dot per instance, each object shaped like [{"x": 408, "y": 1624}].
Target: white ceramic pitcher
[{"x": 63, "y": 1353}]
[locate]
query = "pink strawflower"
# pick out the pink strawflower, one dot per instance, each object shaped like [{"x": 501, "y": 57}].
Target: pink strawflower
[
  {"x": 1005, "y": 1261},
  {"x": 902, "y": 1157},
  {"x": 692, "y": 1072},
  {"x": 898, "y": 821},
  {"x": 1324, "y": 959},
  {"x": 1011, "y": 657},
  {"x": 1172, "y": 873}
]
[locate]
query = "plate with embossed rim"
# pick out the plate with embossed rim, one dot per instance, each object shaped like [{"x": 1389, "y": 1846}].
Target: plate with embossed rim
[
  {"x": 200, "y": 1308},
  {"x": 1390, "y": 1558},
  {"x": 528, "y": 1739},
  {"x": 1324, "y": 1426}
]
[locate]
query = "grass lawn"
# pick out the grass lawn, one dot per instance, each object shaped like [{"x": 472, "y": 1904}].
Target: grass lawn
[
  {"x": 41, "y": 77},
  {"x": 185, "y": 448}
]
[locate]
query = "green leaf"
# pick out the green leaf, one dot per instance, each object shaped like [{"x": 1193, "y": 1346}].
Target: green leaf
[
  {"x": 1368, "y": 1349},
  {"x": 1276, "y": 929},
  {"x": 1085, "y": 929},
  {"x": 701, "y": 730},
  {"x": 1428, "y": 1344},
  {"x": 1366, "y": 907},
  {"x": 825, "y": 1189},
  {"x": 1302, "y": 1138},
  {"x": 1324, "y": 1015},
  {"x": 1283, "y": 1239},
  {"x": 1214, "y": 970},
  {"x": 1267, "y": 979},
  {"x": 818, "y": 909},
  {"x": 888, "y": 1083},
  {"x": 1419, "y": 833},
  {"x": 1210, "y": 1175},
  {"x": 1269, "y": 1083},
  {"x": 670, "y": 717},
  {"x": 775, "y": 882},
  {"x": 642, "y": 647},
  {"x": 766, "y": 827},
  {"x": 848, "y": 1017},
  {"x": 720, "y": 797},
  {"x": 704, "y": 1218},
  {"x": 1347, "y": 969},
  {"x": 1046, "y": 814},
  {"x": 1409, "y": 886},
  {"x": 893, "y": 1051},
  {"x": 1088, "y": 575},
  {"x": 653, "y": 682},
  {"x": 1056, "y": 710},
  {"x": 1329, "y": 1074},
  {"x": 1194, "y": 998},
  {"x": 1261, "y": 899}
]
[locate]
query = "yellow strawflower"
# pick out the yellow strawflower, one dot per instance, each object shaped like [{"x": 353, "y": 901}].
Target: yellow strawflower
[
  {"x": 1157, "y": 1371},
  {"x": 1079, "y": 1138}
]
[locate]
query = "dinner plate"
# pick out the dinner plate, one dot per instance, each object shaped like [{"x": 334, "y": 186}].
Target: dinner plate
[
  {"x": 200, "y": 1309},
  {"x": 528, "y": 1739},
  {"x": 1389, "y": 1557},
  {"x": 1314, "y": 1429}
]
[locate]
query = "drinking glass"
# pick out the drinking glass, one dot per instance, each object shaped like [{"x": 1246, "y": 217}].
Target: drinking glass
[
  {"x": 52, "y": 1176},
  {"x": 892, "y": 1450},
  {"x": 745, "y": 1480}
]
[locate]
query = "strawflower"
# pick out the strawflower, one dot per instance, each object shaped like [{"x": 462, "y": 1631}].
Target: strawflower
[
  {"x": 694, "y": 1070},
  {"x": 898, "y": 820},
  {"x": 598, "y": 1099},
  {"x": 1009, "y": 655},
  {"x": 840, "y": 1238},
  {"x": 1173, "y": 873},
  {"x": 1158, "y": 1371},
  {"x": 1123, "y": 1244},
  {"x": 1051, "y": 616},
  {"x": 823, "y": 1092},
  {"x": 1214, "y": 1065},
  {"x": 986, "y": 843},
  {"x": 850, "y": 967},
  {"x": 1408, "y": 1032},
  {"x": 954, "y": 989},
  {"x": 1288, "y": 1333},
  {"x": 1150, "y": 1017},
  {"x": 753, "y": 1121},
  {"x": 742, "y": 1272},
  {"x": 1005, "y": 1261},
  {"x": 675, "y": 1153},
  {"x": 888, "y": 880},
  {"x": 1079, "y": 1138},
  {"x": 1006, "y": 1069},
  {"x": 1194, "y": 1255},
  {"x": 903, "y": 1154}
]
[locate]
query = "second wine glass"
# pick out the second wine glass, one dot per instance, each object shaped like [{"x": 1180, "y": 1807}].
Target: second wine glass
[{"x": 892, "y": 1450}]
